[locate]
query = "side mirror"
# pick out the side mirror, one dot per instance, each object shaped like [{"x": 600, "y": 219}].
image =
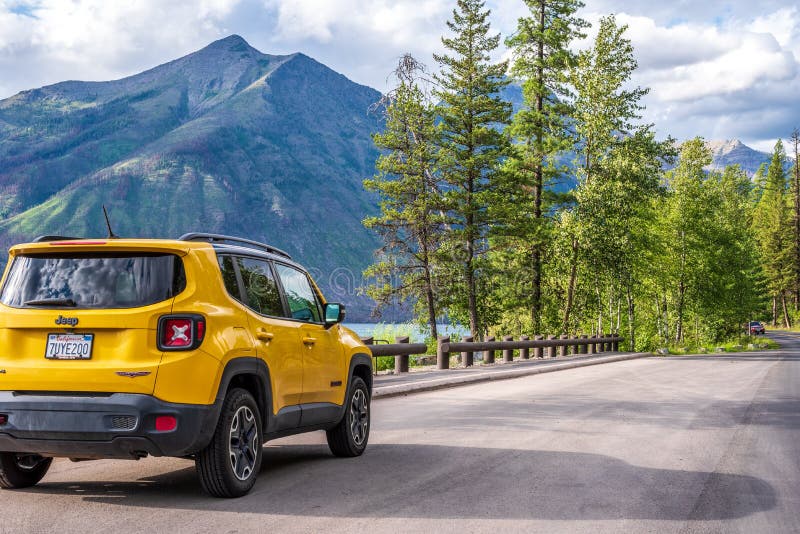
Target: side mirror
[{"x": 334, "y": 313}]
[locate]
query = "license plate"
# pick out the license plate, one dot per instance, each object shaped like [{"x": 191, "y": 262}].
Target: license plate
[{"x": 69, "y": 346}]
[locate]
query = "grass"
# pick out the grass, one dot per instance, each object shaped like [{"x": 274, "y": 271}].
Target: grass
[{"x": 741, "y": 344}]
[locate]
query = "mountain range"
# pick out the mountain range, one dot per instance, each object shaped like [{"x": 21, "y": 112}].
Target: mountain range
[
  {"x": 734, "y": 152},
  {"x": 225, "y": 140}
]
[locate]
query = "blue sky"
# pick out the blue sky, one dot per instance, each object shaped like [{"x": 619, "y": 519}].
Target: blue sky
[{"x": 719, "y": 69}]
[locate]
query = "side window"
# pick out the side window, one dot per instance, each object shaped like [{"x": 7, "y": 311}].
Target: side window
[
  {"x": 303, "y": 303},
  {"x": 229, "y": 276},
  {"x": 259, "y": 284}
]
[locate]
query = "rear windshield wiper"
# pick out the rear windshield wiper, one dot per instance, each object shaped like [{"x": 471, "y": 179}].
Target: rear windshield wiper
[{"x": 51, "y": 302}]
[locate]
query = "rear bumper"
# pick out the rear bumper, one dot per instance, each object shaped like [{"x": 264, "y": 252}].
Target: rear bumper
[{"x": 120, "y": 425}]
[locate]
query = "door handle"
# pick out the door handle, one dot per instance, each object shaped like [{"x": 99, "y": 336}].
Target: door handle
[
  {"x": 263, "y": 335},
  {"x": 309, "y": 340}
]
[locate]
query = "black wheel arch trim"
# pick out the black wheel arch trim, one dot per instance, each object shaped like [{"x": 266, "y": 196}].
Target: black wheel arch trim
[
  {"x": 360, "y": 358},
  {"x": 246, "y": 366},
  {"x": 249, "y": 365}
]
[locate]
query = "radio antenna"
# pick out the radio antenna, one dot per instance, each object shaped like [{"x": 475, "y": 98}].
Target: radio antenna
[{"x": 111, "y": 234}]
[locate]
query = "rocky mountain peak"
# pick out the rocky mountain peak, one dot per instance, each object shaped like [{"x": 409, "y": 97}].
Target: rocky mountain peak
[{"x": 726, "y": 147}]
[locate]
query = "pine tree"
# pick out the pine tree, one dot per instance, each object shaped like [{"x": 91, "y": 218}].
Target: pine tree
[
  {"x": 772, "y": 226},
  {"x": 541, "y": 59},
  {"x": 795, "y": 139},
  {"x": 410, "y": 220},
  {"x": 472, "y": 114}
]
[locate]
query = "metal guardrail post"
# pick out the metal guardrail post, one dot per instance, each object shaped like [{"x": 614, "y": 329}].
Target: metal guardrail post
[
  {"x": 369, "y": 341},
  {"x": 538, "y": 352},
  {"x": 467, "y": 357},
  {"x": 551, "y": 351},
  {"x": 442, "y": 358},
  {"x": 508, "y": 354},
  {"x": 524, "y": 354},
  {"x": 562, "y": 349},
  {"x": 401, "y": 362},
  {"x": 488, "y": 356}
]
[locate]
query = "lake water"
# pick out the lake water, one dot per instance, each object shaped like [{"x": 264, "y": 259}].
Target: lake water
[{"x": 417, "y": 335}]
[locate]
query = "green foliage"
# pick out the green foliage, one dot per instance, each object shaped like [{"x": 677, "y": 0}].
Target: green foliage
[
  {"x": 385, "y": 332},
  {"x": 662, "y": 258},
  {"x": 619, "y": 168},
  {"x": 541, "y": 59},
  {"x": 605, "y": 108},
  {"x": 773, "y": 230},
  {"x": 411, "y": 219},
  {"x": 471, "y": 148}
]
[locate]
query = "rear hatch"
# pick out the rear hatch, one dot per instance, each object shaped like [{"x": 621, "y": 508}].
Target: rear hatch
[{"x": 82, "y": 317}]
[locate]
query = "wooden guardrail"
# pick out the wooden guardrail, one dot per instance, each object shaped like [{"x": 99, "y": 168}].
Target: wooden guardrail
[{"x": 550, "y": 347}]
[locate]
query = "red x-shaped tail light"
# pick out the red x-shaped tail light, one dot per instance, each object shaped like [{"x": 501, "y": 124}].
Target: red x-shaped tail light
[{"x": 181, "y": 332}]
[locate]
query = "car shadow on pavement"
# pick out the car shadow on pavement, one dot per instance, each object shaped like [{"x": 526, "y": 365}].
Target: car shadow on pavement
[{"x": 432, "y": 481}]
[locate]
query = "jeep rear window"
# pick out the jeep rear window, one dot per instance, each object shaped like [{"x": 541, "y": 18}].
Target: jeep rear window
[{"x": 106, "y": 280}]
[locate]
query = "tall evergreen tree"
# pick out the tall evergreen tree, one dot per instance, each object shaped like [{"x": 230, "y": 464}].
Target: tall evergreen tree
[
  {"x": 472, "y": 114},
  {"x": 773, "y": 228},
  {"x": 411, "y": 202},
  {"x": 795, "y": 139},
  {"x": 541, "y": 60}
]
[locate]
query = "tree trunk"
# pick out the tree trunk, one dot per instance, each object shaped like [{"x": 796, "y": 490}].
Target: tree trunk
[
  {"x": 679, "y": 310},
  {"x": 538, "y": 185},
  {"x": 571, "y": 287},
  {"x": 631, "y": 319},
  {"x": 787, "y": 323},
  {"x": 658, "y": 318},
  {"x": 471, "y": 231},
  {"x": 796, "y": 142},
  {"x": 774, "y": 311},
  {"x": 536, "y": 296},
  {"x": 599, "y": 308},
  {"x": 429, "y": 298},
  {"x": 681, "y": 291}
]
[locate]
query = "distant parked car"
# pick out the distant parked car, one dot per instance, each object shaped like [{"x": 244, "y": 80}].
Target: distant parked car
[{"x": 757, "y": 328}]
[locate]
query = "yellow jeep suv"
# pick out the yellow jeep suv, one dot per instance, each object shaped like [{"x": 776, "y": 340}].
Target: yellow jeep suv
[{"x": 202, "y": 347}]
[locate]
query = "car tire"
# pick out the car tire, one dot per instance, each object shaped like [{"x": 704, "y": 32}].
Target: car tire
[
  {"x": 19, "y": 470},
  {"x": 349, "y": 437},
  {"x": 229, "y": 465}
]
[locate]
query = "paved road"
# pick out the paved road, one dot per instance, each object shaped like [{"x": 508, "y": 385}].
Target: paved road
[{"x": 684, "y": 444}]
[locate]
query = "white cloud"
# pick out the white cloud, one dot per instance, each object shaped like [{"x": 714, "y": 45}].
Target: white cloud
[
  {"x": 717, "y": 68},
  {"x": 730, "y": 76},
  {"x": 48, "y": 41}
]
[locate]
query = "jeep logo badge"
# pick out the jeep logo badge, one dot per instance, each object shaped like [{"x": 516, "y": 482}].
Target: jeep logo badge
[{"x": 67, "y": 321}]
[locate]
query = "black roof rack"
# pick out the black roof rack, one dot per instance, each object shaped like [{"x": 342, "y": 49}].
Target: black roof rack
[
  {"x": 218, "y": 238},
  {"x": 46, "y": 238}
]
